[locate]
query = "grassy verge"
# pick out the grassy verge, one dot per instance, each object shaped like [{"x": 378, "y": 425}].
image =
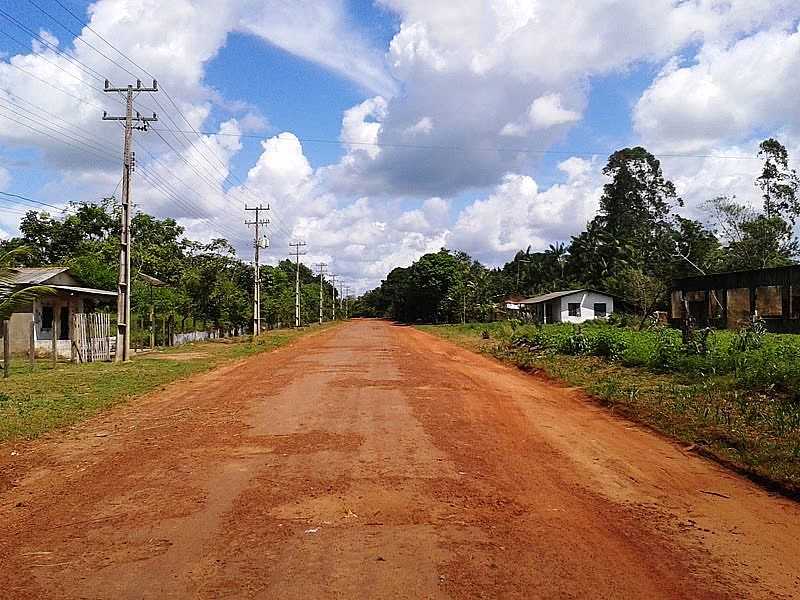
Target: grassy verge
[
  {"x": 754, "y": 429},
  {"x": 33, "y": 402}
]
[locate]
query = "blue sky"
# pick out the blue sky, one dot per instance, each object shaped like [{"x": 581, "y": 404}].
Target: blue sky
[{"x": 435, "y": 87}]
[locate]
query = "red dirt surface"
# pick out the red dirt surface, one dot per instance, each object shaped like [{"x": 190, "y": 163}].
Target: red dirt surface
[{"x": 375, "y": 461}]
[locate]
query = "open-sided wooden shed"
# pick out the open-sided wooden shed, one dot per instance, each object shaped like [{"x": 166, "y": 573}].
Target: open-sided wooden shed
[{"x": 728, "y": 300}]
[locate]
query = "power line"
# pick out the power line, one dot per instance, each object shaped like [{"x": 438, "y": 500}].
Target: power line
[
  {"x": 68, "y": 143},
  {"x": 161, "y": 185},
  {"x": 79, "y": 38},
  {"x": 190, "y": 145},
  {"x": 467, "y": 148},
  {"x": 85, "y": 140},
  {"x": 226, "y": 175},
  {"x": 83, "y": 66},
  {"x": 26, "y": 199}
]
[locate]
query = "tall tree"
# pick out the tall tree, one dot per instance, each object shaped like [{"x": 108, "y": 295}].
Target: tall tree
[{"x": 779, "y": 184}]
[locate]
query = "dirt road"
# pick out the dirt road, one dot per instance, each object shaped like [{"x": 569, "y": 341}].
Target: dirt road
[{"x": 375, "y": 461}]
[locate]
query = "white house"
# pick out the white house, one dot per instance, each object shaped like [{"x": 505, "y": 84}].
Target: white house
[{"x": 570, "y": 306}]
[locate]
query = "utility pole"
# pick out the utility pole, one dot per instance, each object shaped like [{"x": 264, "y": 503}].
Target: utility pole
[
  {"x": 346, "y": 298},
  {"x": 297, "y": 254},
  {"x": 341, "y": 297},
  {"x": 321, "y": 267},
  {"x": 128, "y": 164},
  {"x": 258, "y": 243},
  {"x": 333, "y": 296}
]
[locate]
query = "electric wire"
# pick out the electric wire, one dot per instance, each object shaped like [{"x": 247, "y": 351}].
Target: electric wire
[
  {"x": 227, "y": 174},
  {"x": 26, "y": 199}
]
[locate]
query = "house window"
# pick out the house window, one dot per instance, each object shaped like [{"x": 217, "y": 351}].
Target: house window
[
  {"x": 600, "y": 309},
  {"x": 574, "y": 309},
  {"x": 47, "y": 317}
]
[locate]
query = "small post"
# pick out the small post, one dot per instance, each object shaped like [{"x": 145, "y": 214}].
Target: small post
[
  {"x": 56, "y": 332},
  {"x": 73, "y": 339},
  {"x": 6, "y": 350},
  {"x": 32, "y": 347},
  {"x": 152, "y": 326}
]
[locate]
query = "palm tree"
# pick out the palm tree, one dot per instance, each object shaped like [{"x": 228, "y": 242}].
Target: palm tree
[
  {"x": 11, "y": 298},
  {"x": 558, "y": 253}
]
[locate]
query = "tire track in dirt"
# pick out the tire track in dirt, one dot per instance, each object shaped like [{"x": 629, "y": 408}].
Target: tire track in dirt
[{"x": 374, "y": 461}]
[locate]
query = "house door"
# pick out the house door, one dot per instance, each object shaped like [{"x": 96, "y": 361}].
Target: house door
[
  {"x": 63, "y": 333},
  {"x": 548, "y": 312}
]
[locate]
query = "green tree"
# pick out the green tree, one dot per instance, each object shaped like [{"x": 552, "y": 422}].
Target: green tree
[{"x": 779, "y": 184}]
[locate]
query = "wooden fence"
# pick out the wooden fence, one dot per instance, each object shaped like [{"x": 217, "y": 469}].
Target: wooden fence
[{"x": 91, "y": 337}]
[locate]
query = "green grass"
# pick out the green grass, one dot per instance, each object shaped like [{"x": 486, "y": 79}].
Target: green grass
[
  {"x": 33, "y": 402},
  {"x": 739, "y": 407}
]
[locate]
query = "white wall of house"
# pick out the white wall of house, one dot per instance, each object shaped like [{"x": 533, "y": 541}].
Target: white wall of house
[
  {"x": 586, "y": 300},
  {"x": 20, "y": 323}
]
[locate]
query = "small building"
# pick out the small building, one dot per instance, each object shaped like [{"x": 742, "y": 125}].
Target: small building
[
  {"x": 52, "y": 314},
  {"x": 514, "y": 302},
  {"x": 730, "y": 300},
  {"x": 570, "y": 306}
]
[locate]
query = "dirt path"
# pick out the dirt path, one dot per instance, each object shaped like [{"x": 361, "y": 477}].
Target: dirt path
[{"x": 375, "y": 461}]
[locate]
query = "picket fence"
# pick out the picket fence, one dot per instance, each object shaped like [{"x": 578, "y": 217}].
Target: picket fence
[{"x": 92, "y": 337}]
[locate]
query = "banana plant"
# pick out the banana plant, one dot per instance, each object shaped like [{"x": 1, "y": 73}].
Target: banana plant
[{"x": 11, "y": 298}]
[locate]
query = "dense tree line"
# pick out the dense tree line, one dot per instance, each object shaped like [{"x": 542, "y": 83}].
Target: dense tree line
[
  {"x": 634, "y": 247},
  {"x": 207, "y": 284}
]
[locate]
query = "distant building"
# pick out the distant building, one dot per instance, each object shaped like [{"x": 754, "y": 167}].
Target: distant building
[
  {"x": 514, "y": 302},
  {"x": 569, "y": 306},
  {"x": 51, "y": 314},
  {"x": 729, "y": 300}
]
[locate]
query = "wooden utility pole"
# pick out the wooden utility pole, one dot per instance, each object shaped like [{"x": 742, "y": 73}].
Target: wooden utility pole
[
  {"x": 346, "y": 298},
  {"x": 124, "y": 282},
  {"x": 333, "y": 296},
  {"x": 297, "y": 254},
  {"x": 258, "y": 243},
  {"x": 321, "y": 267}
]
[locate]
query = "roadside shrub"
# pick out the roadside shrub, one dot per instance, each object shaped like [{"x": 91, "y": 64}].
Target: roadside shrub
[
  {"x": 750, "y": 337},
  {"x": 608, "y": 343},
  {"x": 668, "y": 352},
  {"x": 576, "y": 343},
  {"x": 754, "y": 359},
  {"x": 527, "y": 336}
]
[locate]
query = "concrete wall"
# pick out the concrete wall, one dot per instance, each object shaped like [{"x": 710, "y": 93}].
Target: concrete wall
[
  {"x": 587, "y": 301},
  {"x": 20, "y": 323},
  {"x": 20, "y": 331},
  {"x": 193, "y": 336}
]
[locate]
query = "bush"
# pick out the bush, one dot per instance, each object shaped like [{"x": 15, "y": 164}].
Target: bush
[
  {"x": 609, "y": 343},
  {"x": 668, "y": 352},
  {"x": 576, "y": 343}
]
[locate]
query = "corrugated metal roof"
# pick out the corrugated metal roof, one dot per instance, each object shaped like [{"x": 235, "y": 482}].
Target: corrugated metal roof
[
  {"x": 554, "y": 295},
  {"x": 83, "y": 290},
  {"x": 34, "y": 275},
  {"x": 550, "y": 296}
]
